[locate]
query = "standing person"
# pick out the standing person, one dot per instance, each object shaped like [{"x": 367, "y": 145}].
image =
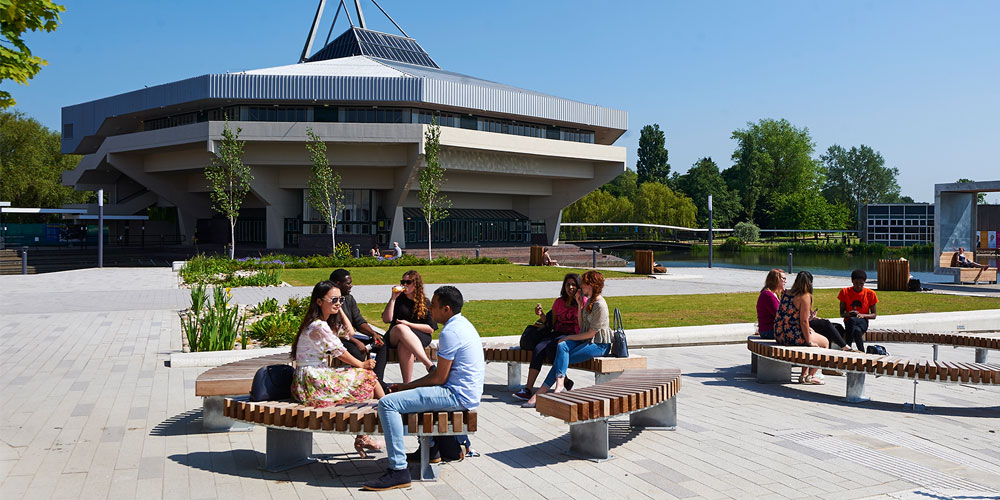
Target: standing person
[
  {"x": 341, "y": 278},
  {"x": 565, "y": 321},
  {"x": 791, "y": 324},
  {"x": 457, "y": 384},
  {"x": 767, "y": 302},
  {"x": 857, "y": 307},
  {"x": 410, "y": 326},
  {"x": 396, "y": 251},
  {"x": 593, "y": 340},
  {"x": 315, "y": 383}
]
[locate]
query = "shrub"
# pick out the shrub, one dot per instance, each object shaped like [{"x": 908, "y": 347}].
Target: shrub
[
  {"x": 296, "y": 306},
  {"x": 343, "y": 251},
  {"x": 269, "y": 305},
  {"x": 746, "y": 232},
  {"x": 216, "y": 326},
  {"x": 275, "y": 330},
  {"x": 732, "y": 244}
]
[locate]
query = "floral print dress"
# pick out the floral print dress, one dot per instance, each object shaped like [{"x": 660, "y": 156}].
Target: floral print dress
[
  {"x": 316, "y": 384},
  {"x": 787, "y": 330}
]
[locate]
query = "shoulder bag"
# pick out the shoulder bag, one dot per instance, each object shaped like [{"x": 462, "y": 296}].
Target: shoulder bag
[{"x": 619, "y": 344}]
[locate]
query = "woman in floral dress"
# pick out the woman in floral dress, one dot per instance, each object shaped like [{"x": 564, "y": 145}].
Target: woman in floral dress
[
  {"x": 791, "y": 324},
  {"x": 317, "y": 384}
]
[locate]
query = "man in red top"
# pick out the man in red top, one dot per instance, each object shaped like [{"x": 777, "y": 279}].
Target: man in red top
[{"x": 857, "y": 306}]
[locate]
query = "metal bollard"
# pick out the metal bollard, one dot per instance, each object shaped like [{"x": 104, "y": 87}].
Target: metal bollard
[
  {"x": 477, "y": 251},
  {"x": 24, "y": 260},
  {"x": 357, "y": 251},
  {"x": 595, "y": 260},
  {"x": 789, "y": 261}
]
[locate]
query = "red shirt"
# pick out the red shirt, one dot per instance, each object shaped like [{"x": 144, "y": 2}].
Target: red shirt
[{"x": 858, "y": 301}]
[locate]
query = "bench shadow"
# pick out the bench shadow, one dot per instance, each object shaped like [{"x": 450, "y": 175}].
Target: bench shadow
[
  {"x": 553, "y": 451},
  {"x": 332, "y": 470},
  {"x": 184, "y": 424},
  {"x": 739, "y": 376}
]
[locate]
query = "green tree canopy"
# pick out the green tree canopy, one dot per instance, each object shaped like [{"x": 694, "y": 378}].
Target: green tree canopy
[
  {"x": 656, "y": 203},
  {"x": 599, "y": 206},
  {"x": 626, "y": 184},
  {"x": 31, "y": 165},
  {"x": 857, "y": 177},
  {"x": 772, "y": 157},
  {"x": 703, "y": 179},
  {"x": 17, "y": 63},
  {"x": 652, "y": 165},
  {"x": 808, "y": 210}
]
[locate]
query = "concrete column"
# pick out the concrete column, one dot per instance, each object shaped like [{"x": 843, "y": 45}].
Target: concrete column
[
  {"x": 397, "y": 228},
  {"x": 552, "y": 228}
]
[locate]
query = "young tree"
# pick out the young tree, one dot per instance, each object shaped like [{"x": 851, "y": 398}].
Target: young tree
[
  {"x": 857, "y": 177},
  {"x": 16, "y": 62},
  {"x": 325, "y": 194},
  {"x": 229, "y": 180},
  {"x": 772, "y": 157},
  {"x": 435, "y": 205},
  {"x": 652, "y": 165}
]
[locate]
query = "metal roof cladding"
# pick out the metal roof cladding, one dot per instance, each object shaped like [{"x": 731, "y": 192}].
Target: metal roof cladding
[{"x": 389, "y": 69}]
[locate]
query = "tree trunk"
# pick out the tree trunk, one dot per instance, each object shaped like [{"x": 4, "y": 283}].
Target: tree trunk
[
  {"x": 232, "y": 239},
  {"x": 333, "y": 237},
  {"x": 429, "y": 242}
]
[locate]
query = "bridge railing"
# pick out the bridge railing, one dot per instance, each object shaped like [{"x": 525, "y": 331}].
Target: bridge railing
[{"x": 602, "y": 231}]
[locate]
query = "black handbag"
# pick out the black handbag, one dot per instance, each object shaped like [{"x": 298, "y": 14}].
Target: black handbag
[
  {"x": 272, "y": 383},
  {"x": 535, "y": 333},
  {"x": 619, "y": 344},
  {"x": 876, "y": 349}
]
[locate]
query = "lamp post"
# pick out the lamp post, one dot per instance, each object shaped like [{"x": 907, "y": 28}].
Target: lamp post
[
  {"x": 710, "y": 231},
  {"x": 100, "y": 228}
]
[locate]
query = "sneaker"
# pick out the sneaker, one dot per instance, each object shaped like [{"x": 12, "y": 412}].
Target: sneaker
[
  {"x": 414, "y": 458},
  {"x": 524, "y": 394},
  {"x": 391, "y": 480}
]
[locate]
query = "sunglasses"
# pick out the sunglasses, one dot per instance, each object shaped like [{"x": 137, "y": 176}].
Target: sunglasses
[
  {"x": 336, "y": 300},
  {"x": 405, "y": 282}
]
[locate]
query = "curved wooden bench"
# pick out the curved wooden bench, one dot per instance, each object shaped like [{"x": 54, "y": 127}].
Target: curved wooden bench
[
  {"x": 234, "y": 379},
  {"x": 290, "y": 426},
  {"x": 981, "y": 343},
  {"x": 646, "y": 396},
  {"x": 775, "y": 364}
]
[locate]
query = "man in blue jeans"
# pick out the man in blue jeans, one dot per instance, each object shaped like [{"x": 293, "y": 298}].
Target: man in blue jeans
[{"x": 456, "y": 384}]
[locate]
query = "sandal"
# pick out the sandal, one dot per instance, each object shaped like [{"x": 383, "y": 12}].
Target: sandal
[
  {"x": 814, "y": 381},
  {"x": 362, "y": 443}
]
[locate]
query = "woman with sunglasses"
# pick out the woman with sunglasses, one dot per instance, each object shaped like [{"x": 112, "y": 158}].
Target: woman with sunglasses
[
  {"x": 408, "y": 314},
  {"x": 565, "y": 320},
  {"x": 317, "y": 384},
  {"x": 768, "y": 301}
]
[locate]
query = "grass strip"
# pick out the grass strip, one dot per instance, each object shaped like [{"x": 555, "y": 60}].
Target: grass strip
[
  {"x": 509, "y": 317},
  {"x": 471, "y": 273}
]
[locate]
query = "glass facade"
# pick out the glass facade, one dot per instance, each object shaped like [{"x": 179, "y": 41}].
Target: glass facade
[
  {"x": 899, "y": 224},
  {"x": 369, "y": 114},
  {"x": 465, "y": 227},
  {"x": 357, "y": 214}
]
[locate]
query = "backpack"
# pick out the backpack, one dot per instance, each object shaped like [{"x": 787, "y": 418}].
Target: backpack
[
  {"x": 272, "y": 383},
  {"x": 877, "y": 349},
  {"x": 535, "y": 333},
  {"x": 914, "y": 285}
]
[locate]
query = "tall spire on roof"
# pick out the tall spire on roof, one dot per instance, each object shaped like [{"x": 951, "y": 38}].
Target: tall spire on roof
[{"x": 360, "y": 41}]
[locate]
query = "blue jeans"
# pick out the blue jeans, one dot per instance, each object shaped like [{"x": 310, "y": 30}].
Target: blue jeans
[
  {"x": 392, "y": 406},
  {"x": 573, "y": 351}
]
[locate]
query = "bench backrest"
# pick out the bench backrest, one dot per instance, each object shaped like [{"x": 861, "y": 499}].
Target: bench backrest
[{"x": 633, "y": 390}]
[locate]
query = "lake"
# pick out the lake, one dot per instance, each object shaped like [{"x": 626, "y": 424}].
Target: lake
[{"x": 921, "y": 266}]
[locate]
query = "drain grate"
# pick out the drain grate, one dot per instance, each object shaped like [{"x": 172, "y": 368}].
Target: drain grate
[
  {"x": 927, "y": 447},
  {"x": 882, "y": 462}
]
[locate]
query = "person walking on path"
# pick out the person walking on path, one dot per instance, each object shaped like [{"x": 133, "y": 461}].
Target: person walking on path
[{"x": 456, "y": 384}]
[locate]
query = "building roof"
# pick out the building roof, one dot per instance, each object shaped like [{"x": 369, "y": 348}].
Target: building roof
[{"x": 377, "y": 75}]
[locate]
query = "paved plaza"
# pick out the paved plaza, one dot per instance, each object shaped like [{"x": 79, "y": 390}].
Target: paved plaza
[{"x": 89, "y": 410}]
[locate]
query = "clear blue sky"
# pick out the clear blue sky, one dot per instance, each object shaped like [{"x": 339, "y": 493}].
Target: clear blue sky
[{"x": 918, "y": 81}]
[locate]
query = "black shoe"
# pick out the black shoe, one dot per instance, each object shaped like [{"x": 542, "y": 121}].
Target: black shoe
[
  {"x": 391, "y": 480},
  {"x": 567, "y": 384},
  {"x": 414, "y": 458}
]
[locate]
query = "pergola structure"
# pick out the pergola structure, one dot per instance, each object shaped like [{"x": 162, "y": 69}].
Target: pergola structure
[{"x": 955, "y": 221}]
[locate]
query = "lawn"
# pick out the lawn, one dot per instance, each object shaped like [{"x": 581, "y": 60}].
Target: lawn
[
  {"x": 470, "y": 273},
  {"x": 509, "y": 317}
]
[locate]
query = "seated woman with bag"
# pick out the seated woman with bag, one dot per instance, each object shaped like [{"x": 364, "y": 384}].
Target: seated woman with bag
[
  {"x": 315, "y": 383},
  {"x": 561, "y": 321},
  {"x": 791, "y": 325},
  {"x": 593, "y": 340}
]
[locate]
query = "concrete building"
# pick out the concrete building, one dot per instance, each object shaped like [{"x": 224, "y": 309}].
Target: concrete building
[
  {"x": 898, "y": 224},
  {"x": 515, "y": 158}
]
